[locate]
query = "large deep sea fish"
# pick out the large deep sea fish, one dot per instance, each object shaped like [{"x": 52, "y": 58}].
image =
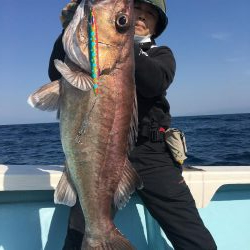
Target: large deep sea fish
[{"x": 95, "y": 99}]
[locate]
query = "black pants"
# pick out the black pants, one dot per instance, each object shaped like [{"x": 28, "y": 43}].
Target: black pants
[
  {"x": 75, "y": 232},
  {"x": 166, "y": 196}
]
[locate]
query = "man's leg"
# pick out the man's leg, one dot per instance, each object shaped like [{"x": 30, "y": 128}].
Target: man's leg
[
  {"x": 76, "y": 227},
  {"x": 75, "y": 231},
  {"x": 168, "y": 198}
]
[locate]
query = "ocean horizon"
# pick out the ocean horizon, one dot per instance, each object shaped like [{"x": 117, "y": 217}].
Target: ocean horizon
[
  {"x": 173, "y": 117},
  {"x": 212, "y": 140}
]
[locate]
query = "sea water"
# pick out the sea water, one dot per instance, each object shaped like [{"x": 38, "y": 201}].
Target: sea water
[{"x": 211, "y": 140}]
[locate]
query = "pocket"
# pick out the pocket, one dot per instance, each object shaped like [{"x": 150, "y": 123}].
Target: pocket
[{"x": 176, "y": 142}]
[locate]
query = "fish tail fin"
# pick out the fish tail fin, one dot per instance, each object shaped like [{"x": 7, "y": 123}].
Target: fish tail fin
[
  {"x": 65, "y": 192},
  {"x": 130, "y": 180},
  {"x": 47, "y": 97},
  {"x": 115, "y": 241}
]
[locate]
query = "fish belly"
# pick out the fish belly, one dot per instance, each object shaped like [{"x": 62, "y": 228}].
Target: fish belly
[{"x": 94, "y": 131}]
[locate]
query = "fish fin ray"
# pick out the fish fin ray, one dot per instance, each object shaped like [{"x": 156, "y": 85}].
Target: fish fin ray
[
  {"x": 133, "y": 130},
  {"x": 115, "y": 241},
  {"x": 65, "y": 192},
  {"x": 47, "y": 97},
  {"x": 78, "y": 79},
  {"x": 130, "y": 180}
]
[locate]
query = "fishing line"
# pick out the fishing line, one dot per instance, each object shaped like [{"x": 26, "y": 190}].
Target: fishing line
[{"x": 85, "y": 122}]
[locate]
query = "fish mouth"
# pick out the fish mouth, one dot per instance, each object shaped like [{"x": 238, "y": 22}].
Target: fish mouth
[
  {"x": 105, "y": 72},
  {"x": 106, "y": 44}
]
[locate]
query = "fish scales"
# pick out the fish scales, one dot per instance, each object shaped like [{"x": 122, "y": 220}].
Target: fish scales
[
  {"x": 95, "y": 127},
  {"x": 100, "y": 151}
]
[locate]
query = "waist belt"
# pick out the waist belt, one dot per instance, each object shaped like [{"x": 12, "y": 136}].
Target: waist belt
[{"x": 153, "y": 134}]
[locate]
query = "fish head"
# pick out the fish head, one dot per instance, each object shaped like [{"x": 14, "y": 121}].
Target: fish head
[
  {"x": 113, "y": 21},
  {"x": 114, "y": 30}
]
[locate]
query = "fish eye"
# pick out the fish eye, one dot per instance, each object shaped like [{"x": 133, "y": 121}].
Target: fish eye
[{"x": 122, "y": 22}]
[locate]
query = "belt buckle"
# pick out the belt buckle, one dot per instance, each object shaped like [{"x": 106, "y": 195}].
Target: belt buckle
[
  {"x": 157, "y": 135},
  {"x": 154, "y": 135}
]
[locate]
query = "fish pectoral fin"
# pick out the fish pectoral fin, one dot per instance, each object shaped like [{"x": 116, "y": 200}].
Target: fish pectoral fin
[
  {"x": 130, "y": 180},
  {"x": 47, "y": 97},
  {"x": 65, "y": 192},
  {"x": 78, "y": 79}
]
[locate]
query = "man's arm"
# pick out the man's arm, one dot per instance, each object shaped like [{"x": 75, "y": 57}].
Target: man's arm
[
  {"x": 154, "y": 72},
  {"x": 57, "y": 53}
]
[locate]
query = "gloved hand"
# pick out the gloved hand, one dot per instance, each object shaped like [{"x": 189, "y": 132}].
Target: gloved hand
[{"x": 68, "y": 12}]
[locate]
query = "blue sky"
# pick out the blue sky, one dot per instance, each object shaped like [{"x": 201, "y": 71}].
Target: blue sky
[{"x": 210, "y": 40}]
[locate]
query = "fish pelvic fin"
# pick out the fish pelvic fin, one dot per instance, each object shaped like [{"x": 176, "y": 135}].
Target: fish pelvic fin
[
  {"x": 115, "y": 241},
  {"x": 65, "y": 192},
  {"x": 47, "y": 97},
  {"x": 130, "y": 180},
  {"x": 76, "y": 78}
]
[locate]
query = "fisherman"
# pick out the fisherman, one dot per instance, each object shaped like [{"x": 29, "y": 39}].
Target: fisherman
[{"x": 165, "y": 193}]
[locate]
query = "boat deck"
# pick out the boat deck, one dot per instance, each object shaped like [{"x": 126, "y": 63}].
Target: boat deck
[{"x": 29, "y": 219}]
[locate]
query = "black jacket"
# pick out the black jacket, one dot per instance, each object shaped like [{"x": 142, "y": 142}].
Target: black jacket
[{"x": 154, "y": 72}]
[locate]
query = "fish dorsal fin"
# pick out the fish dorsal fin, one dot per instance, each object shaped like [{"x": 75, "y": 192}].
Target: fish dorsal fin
[
  {"x": 130, "y": 180},
  {"x": 47, "y": 97},
  {"x": 78, "y": 79},
  {"x": 133, "y": 130}
]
